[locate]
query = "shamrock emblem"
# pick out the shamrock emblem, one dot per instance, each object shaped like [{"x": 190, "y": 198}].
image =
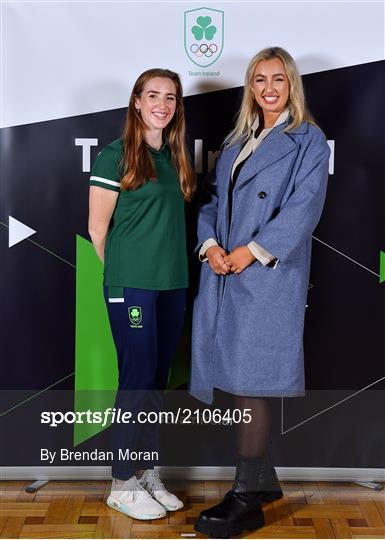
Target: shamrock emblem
[
  {"x": 203, "y": 29},
  {"x": 135, "y": 315}
]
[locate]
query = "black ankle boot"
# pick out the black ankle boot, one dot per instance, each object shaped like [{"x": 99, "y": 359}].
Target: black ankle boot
[
  {"x": 239, "y": 510},
  {"x": 267, "y": 485}
]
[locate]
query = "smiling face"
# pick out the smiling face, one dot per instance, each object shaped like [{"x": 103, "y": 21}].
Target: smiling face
[
  {"x": 270, "y": 86},
  {"x": 157, "y": 103}
]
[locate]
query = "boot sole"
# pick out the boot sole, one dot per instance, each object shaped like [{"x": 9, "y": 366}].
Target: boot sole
[
  {"x": 270, "y": 497},
  {"x": 229, "y": 532}
]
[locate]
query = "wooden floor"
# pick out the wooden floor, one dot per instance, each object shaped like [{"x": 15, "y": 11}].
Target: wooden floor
[{"x": 77, "y": 510}]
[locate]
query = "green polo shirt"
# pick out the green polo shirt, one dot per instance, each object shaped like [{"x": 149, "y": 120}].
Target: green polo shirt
[{"x": 146, "y": 239}]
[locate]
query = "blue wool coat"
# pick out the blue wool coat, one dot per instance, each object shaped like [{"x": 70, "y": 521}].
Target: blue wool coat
[{"x": 247, "y": 336}]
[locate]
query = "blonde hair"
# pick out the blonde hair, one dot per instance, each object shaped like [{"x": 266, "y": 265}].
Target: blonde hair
[
  {"x": 250, "y": 108},
  {"x": 138, "y": 165}
]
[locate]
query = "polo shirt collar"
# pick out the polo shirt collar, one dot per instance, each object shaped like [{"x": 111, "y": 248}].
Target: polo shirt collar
[{"x": 164, "y": 150}]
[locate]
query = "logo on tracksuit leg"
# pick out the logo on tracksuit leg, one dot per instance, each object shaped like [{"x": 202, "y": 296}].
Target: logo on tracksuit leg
[{"x": 135, "y": 316}]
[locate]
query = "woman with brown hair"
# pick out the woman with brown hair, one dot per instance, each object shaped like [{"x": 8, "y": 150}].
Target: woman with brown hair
[{"x": 136, "y": 222}]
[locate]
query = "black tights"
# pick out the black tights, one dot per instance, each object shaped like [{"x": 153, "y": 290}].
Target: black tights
[{"x": 253, "y": 438}]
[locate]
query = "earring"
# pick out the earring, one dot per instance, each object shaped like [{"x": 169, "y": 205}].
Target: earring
[{"x": 138, "y": 111}]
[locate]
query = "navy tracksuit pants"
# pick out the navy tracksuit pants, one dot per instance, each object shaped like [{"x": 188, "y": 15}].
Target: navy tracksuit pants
[{"x": 146, "y": 326}]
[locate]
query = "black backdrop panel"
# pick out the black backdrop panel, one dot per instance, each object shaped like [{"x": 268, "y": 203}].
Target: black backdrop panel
[{"x": 44, "y": 187}]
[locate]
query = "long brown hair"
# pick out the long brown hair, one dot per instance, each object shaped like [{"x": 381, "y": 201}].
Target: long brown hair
[
  {"x": 250, "y": 108},
  {"x": 138, "y": 165}
]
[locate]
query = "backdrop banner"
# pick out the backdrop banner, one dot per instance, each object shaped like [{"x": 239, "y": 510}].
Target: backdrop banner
[{"x": 57, "y": 353}]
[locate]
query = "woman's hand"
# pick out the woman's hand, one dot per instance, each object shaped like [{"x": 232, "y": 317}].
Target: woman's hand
[
  {"x": 239, "y": 259},
  {"x": 216, "y": 257}
]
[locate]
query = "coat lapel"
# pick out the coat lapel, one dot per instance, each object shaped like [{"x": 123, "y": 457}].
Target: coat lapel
[
  {"x": 276, "y": 145},
  {"x": 229, "y": 157}
]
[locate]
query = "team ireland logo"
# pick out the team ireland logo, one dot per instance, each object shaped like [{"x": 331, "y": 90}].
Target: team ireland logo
[
  {"x": 135, "y": 316},
  {"x": 203, "y": 35}
]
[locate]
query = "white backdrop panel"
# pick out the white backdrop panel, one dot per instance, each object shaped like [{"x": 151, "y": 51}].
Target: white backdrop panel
[{"x": 62, "y": 59}]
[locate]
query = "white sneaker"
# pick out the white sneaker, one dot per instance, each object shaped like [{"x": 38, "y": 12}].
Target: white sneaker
[
  {"x": 153, "y": 484},
  {"x": 134, "y": 501}
]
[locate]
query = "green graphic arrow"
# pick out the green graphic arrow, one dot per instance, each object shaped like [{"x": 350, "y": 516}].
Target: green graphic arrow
[
  {"x": 96, "y": 372},
  {"x": 382, "y": 266}
]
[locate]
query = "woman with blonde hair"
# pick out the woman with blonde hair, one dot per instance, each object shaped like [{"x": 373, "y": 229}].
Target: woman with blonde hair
[
  {"x": 139, "y": 184},
  {"x": 254, "y": 233}
]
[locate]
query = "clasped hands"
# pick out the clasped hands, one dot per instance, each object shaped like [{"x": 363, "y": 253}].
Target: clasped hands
[{"x": 223, "y": 263}]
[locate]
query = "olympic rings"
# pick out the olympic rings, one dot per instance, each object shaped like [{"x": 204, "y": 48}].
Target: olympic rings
[{"x": 204, "y": 49}]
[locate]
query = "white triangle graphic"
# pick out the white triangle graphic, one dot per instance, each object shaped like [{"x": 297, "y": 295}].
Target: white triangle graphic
[{"x": 18, "y": 231}]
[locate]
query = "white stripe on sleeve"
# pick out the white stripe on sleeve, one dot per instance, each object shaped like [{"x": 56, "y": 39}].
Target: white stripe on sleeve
[{"x": 105, "y": 181}]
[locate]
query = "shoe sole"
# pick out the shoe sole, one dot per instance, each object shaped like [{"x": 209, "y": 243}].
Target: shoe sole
[
  {"x": 224, "y": 532},
  {"x": 169, "y": 509},
  {"x": 143, "y": 516}
]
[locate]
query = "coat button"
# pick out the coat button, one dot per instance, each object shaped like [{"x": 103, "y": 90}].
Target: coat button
[{"x": 262, "y": 195}]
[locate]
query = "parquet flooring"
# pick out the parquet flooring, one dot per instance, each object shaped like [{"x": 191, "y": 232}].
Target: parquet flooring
[{"x": 77, "y": 510}]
